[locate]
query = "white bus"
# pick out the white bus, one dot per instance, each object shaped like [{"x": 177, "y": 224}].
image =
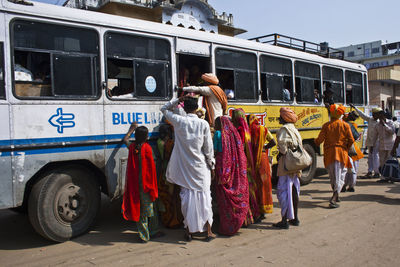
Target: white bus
[{"x": 72, "y": 81}]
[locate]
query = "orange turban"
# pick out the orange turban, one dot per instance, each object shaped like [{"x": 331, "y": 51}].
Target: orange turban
[
  {"x": 336, "y": 111},
  {"x": 210, "y": 78},
  {"x": 288, "y": 115}
]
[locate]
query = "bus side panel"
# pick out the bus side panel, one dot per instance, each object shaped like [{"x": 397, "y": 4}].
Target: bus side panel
[
  {"x": 54, "y": 133},
  {"x": 6, "y": 189},
  {"x": 118, "y": 117}
]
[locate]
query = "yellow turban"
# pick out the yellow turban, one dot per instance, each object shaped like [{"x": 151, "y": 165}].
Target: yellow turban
[{"x": 376, "y": 110}]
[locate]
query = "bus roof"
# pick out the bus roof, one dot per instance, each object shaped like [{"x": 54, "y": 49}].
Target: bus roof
[{"x": 49, "y": 11}]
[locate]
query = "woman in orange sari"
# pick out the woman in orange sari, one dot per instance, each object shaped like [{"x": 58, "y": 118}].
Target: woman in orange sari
[
  {"x": 239, "y": 121},
  {"x": 262, "y": 140}
]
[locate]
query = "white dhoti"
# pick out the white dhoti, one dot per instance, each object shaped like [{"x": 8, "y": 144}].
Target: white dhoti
[
  {"x": 196, "y": 209},
  {"x": 351, "y": 175},
  {"x": 284, "y": 194},
  {"x": 337, "y": 173},
  {"x": 373, "y": 159}
]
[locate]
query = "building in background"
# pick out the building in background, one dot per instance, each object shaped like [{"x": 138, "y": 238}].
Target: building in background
[
  {"x": 383, "y": 64},
  {"x": 191, "y": 14}
]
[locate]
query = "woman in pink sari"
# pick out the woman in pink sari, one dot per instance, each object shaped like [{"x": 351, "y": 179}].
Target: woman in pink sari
[
  {"x": 232, "y": 187},
  {"x": 239, "y": 121}
]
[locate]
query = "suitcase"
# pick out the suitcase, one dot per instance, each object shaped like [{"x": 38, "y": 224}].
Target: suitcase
[{"x": 391, "y": 170}]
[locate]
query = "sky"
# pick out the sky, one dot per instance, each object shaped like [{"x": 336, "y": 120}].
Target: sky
[{"x": 338, "y": 22}]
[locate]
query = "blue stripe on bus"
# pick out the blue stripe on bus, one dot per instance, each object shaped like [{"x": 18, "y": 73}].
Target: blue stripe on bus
[
  {"x": 62, "y": 150},
  {"x": 66, "y": 139}
]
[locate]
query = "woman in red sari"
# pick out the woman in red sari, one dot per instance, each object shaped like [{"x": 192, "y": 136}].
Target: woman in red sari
[
  {"x": 232, "y": 188},
  {"x": 262, "y": 140},
  {"x": 239, "y": 121}
]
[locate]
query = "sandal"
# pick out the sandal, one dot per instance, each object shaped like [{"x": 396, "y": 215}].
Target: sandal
[
  {"x": 281, "y": 225},
  {"x": 333, "y": 205}
]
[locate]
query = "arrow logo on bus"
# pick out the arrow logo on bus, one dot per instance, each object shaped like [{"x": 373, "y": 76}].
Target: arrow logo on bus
[{"x": 62, "y": 120}]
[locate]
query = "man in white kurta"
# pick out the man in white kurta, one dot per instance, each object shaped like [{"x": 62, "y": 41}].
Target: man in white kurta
[
  {"x": 386, "y": 134},
  {"x": 373, "y": 147},
  {"x": 190, "y": 166}
]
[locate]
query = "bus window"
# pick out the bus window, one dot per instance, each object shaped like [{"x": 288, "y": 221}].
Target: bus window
[
  {"x": 137, "y": 67},
  {"x": 236, "y": 71},
  {"x": 354, "y": 88},
  {"x": 308, "y": 82},
  {"x": 2, "y": 74},
  {"x": 55, "y": 61},
  {"x": 333, "y": 80},
  {"x": 276, "y": 79},
  {"x": 366, "y": 102}
]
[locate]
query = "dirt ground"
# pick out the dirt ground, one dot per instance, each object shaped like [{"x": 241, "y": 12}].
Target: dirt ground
[{"x": 364, "y": 231}]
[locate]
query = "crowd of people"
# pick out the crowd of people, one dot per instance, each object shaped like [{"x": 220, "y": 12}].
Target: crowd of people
[{"x": 217, "y": 166}]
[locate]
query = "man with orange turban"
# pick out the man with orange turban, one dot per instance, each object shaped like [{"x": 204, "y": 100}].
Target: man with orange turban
[
  {"x": 337, "y": 138},
  {"x": 288, "y": 188},
  {"x": 215, "y": 99}
]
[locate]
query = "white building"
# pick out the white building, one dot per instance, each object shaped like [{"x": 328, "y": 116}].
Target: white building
[
  {"x": 191, "y": 14},
  {"x": 383, "y": 64}
]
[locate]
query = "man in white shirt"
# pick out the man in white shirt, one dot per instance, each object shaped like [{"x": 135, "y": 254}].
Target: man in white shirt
[
  {"x": 386, "y": 133},
  {"x": 215, "y": 98},
  {"x": 190, "y": 166},
  {"x": 373, "y": 147}
]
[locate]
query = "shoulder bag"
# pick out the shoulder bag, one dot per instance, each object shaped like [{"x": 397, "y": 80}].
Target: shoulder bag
[{"x": 296, "y": 158}]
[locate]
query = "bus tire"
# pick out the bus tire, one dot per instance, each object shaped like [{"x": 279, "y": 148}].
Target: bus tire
[
  {"x": 64, "y": 203},
  {"x": 308, "y": 173}
]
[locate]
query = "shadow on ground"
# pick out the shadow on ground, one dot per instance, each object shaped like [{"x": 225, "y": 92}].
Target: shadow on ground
[{"x": 110, "y": 228}]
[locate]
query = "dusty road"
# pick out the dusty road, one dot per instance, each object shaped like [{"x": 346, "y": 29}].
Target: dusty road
[{"x": 364, "y": 231}]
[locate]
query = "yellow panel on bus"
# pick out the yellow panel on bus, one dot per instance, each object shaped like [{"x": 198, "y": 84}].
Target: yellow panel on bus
[{"x": 309, "y": 124}]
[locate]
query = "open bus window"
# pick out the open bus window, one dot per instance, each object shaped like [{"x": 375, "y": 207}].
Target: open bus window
[
  {"x": 137, "y": 67},
  {"x": 236, "y": 72},
  {"x": 120, "y": 78},
  {"x": 2, "y": 74},
  {"x": 308, "y": 82},
  {"x": 333, "y": 80},
  {"x": 54, "y": 61},
  {"x": 276, "y": 79},
  {"x": 354, "y": 88}
]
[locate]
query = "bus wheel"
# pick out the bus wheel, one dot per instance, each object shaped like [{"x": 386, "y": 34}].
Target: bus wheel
[
  {"x": 64, "y": 203},
  {"x": 308, "y": 173}
]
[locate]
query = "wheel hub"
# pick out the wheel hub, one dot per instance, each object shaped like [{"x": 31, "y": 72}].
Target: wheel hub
[{"x": 70, "y": 203}]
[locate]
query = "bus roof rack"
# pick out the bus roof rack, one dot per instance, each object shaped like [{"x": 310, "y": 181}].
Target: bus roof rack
[{"x": 321, "y": 49}]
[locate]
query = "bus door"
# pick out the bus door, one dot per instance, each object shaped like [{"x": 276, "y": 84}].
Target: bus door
[
  {"x": 6, "y": 192},
  {"x": 193, "y": 59}
]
